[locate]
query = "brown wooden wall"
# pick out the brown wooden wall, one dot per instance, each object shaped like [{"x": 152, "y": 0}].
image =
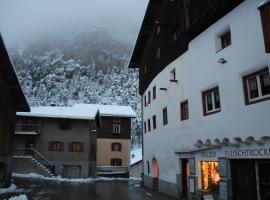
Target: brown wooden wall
[
  {"x": 106, "y": 130},
  {"x": 7, "y": 118},
  {"x": 265, "y": 16}
]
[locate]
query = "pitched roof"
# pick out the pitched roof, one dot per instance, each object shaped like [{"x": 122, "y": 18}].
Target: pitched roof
[
  {"x": 79, "y": 111},
  {"x": 13, "y": 83},
  {"x": 109, "y": 110}
]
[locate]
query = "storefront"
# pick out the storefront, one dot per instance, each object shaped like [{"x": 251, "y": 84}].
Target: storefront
[{"x": 227, "y": 171}]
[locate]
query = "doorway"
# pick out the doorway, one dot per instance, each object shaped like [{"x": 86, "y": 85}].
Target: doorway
[
  {"x": 155, "y": 174},
  {"x": 185, "y": 173},
  {"x": 243, "y": 179}
]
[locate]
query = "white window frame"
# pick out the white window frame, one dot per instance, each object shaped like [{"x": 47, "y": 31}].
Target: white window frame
[
  {"x": 116, "y": 128},
  {"x": 213, "y": 101},
  {"x": 260, "y": 96}
]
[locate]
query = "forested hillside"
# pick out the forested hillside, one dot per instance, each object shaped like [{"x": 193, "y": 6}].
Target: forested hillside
[{"x": 81, "y": 68}]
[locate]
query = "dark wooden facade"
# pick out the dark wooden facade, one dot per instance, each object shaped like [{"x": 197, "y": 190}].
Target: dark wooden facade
[
  {"x": 265, "y": 16},
  {"x": 167, "y": 29},
  {"x": 106, "y": 130},
  {"x": 12, "y": 99}
]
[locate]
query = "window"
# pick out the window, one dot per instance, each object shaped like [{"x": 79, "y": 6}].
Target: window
[
  {"x": 65, "y": 125},
  {"x": 56, "y": 146},
  {"x": 173, "y": 76},
  {"x": 116, "y": 146},
  {"x": 76, "y": 147},
  {"x": 175, "y": 33},
  {"x": 117, "y": 119},
  {"x": 184, "y": 110},
  {"x": 154, "y": 92},
  {"x": 211, "y": 101},
  {"x": 145, "y": 127},
  {"x": 149, "y": 97},
  {"x": 154, "y": 122},
  {"x": 116, "y": 128},
  {"x": 148, "y": 167},
  {"x": 165, "y": 116},
  {"x": 149, "y": 125},
  {"x": 158, "y": 53},
  {"x": 210, "y": 175},
  {"x": 265, "y": 13},
  {"x": 158, "y": 30},
  {"x": 116, "y": 162},
  {"x": 145, "y": 102},
  {"x": 257, "y": 86},
  {"x": 225, "y": 39}
]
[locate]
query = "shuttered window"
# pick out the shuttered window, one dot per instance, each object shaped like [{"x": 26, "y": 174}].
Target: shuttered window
[
  {"x": 116, "y": 162},
  {"x": 265, "y": 17},
  {"x": 116, "y": 146},
  {"x": 56, "y": 146},
  {"x": 184, "y": 110},
  {"x": 76, "y": 147}
]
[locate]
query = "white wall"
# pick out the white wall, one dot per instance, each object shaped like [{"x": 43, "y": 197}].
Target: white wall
[{"x": 197, "y": 70}]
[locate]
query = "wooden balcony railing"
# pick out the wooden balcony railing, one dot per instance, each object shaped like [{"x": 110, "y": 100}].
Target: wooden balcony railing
[{"x": 20, "y": 128}]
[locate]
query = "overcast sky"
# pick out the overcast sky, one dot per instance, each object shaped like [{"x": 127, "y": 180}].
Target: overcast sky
[{"x": 24, "y": 19}]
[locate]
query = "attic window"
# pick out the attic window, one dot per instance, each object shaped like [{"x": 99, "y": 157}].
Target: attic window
[
  {"x": 225, "y": 39},
  {"x": 173, "y": 76},
  {"x": 158, "y": 53},
  {"x": 158, "y": 30},
  {"x": 175, "y": 33}
]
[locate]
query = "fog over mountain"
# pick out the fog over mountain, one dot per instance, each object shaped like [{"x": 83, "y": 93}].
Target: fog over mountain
[{"x": 69, "y": 51}]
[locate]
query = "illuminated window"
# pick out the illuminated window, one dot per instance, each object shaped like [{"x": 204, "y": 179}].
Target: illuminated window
[{"x": 210, "y": 175}]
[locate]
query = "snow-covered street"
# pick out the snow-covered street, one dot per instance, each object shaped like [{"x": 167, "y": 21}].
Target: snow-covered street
[{"x": 39, "y": 189}]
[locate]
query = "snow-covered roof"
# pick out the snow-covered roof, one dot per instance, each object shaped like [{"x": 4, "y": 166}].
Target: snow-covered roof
[
  {"x": 135, "y": 156},
  {"x": 79, "y": 111},
  {"x": 264, "y": 3},
  {"x": 61, "y": 112},
  {"x": 109, "y": 110}
]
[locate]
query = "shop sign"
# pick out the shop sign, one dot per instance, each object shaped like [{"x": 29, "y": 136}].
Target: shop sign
[
  {"x": 209, "y": 154},
  {"x": 223, "y": 192},
  {"x": 248, "y": 153}
]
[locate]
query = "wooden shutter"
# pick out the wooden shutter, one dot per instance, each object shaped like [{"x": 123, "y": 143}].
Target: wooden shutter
[
  {"x": 120, "y": 146},
  {"x": 265, "y": 17},
  {"x": 50, "y": 147},
  {"x": 81, "y": 147}
]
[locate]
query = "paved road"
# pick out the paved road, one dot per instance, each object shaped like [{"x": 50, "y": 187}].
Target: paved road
[{"x": 101, "y": 190}]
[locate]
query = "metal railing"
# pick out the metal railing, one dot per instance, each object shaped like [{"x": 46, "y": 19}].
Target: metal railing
[
  {"x": 27, "y": 128},
  {"x": 26, "y": 152}
]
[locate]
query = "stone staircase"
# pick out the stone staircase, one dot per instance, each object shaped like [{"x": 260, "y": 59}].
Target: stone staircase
[{"x": 29, "y": 160}]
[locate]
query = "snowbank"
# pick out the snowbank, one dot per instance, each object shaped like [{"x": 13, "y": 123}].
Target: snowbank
[
  {"x": 12, "y": 188},
  {"x": 20, "y": 197},
  {"x": 67, "y": 180}
]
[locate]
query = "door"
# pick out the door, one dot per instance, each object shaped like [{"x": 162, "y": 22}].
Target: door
[
  {"x": 155, "y": 174},
  {"x": 264, "y": 179},
  {"x": 184, "y": 176},
  {"x": 29, "y": 142},
  {"x": 73, "y": 171},
  {"x": 243, "y": 179}
]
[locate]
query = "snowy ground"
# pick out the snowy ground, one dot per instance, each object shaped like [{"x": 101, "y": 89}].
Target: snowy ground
[
  {"x": 135, "y": 155},
  {"x": 13, "y": 189},
  {"x": 39, "y": 189}
]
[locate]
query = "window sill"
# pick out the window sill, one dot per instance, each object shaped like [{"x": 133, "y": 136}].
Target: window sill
[
  {"x": 258, "y": 100},
  {"x": 223, "y": 48},
  {"x": 212, "y": 112}
]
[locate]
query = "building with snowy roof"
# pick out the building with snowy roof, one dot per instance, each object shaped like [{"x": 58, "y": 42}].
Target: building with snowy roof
[
  {"x": 12, "y": 99},
  {"x": 69, "y": 141},
  {"x": 204, "y": 78}
]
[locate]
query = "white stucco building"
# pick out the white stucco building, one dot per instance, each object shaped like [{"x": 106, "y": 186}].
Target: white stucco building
[{"x": 204, "y": 79}]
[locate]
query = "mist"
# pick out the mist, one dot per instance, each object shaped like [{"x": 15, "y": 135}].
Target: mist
[{"x": 22, "y": 21}]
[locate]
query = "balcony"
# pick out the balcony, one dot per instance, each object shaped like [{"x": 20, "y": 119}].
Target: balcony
[{"x": 27, "y": 129}]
